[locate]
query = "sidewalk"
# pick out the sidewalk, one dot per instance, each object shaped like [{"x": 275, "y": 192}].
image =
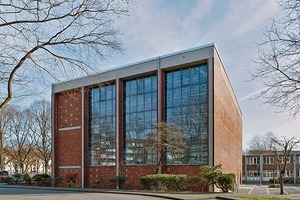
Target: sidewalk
[{"x": 167, "y": 195}]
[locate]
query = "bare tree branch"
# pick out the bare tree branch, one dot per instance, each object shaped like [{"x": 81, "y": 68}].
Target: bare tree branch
[
  {"x": 279, "y": 60},
  {"x": 60, "y": 38}
]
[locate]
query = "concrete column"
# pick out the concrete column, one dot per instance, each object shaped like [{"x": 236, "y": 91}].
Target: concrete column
[
  {"x": 52, "y": 133},
  {"x": 118, "y": 100},
  {"x": 210, "y": 67},
  {"x": 82, "y": 136},
  {"x": 294, "y": 171},
  {"x": 261, "y": 168},
  {"x": 159, "y": 99},
  {"x": 246, "y": 168},
  {"x": 210, "y": 112}
]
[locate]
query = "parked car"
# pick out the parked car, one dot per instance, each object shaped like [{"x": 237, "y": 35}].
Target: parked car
[{"x": 3, "y": 175}]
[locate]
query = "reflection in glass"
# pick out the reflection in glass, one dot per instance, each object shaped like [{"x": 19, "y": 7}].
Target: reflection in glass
[
  {"x": 102, "y": 146},
  {"x": 186, "y": 106},
  {"x": 140, "y": 113}
]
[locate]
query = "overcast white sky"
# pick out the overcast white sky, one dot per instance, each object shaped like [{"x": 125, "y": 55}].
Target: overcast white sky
[{"x": 158, "y": 27}]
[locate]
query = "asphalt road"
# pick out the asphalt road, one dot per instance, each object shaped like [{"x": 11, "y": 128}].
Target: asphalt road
[
  {"x": 264, "y": 190},
  {"x": 37, "y": 194}
]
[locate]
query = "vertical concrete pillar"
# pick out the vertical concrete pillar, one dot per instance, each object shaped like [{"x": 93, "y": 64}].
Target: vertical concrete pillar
[
  {"x": 52, "y": 133},
  {"x": 159, "y": 99},
  {"x": 210, "y": 115},
  {"x": 117, "y": 126},
  {"x": 295, "y": 169},
  {"x": 246, "y": 168},
  {"x": 261, "y": 168},
  {"x": 82, "y": 136}
]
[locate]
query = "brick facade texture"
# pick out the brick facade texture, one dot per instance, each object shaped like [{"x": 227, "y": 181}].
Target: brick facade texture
[
  {"x": 227, "y": 143},
  {"x": 227, "y": 125}
]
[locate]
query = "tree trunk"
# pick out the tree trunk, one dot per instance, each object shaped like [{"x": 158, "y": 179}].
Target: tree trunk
[
  {"x": 22, "y": 168},
  {"x": 274, "y": 178},
  {"x": 281, "y": 182},
  {"x": 46, "y": 168}
]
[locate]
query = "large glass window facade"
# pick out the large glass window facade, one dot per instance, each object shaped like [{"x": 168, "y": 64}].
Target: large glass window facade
[
  {"x": 102, "y": 126},
  {"x": 186, "y": 107},
  {"x": 140, "y": 113}
]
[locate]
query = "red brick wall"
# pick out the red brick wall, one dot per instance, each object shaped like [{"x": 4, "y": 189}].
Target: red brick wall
[
  {"x": 67, "y": 143},
  {"x": 227, "y": 124},
  {"x": 105, "y": 173},
  {"x": 134, "y": 174}
]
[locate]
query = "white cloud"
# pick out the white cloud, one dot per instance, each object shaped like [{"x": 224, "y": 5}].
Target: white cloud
[
  {"x": 251, "y": 95},
  {"x": 159, "y": 27},
  {"x": 241, "y": 18}
]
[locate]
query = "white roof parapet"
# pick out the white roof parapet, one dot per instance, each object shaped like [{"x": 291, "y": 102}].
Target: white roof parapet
[{"x": 146, "y": 66}]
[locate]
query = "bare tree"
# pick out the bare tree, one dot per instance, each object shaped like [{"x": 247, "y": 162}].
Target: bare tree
[
  {"x": 5, "y": 118},
  {"x": 168, "y": 137},
  {"x": 191, "y": 117},
  {"x": 42, "y": 40},
  {"x": 103, "y": 143},
  {"x": 19, "y": 143},
  {"x": 41, "y": 131},
  {"x": 135, "y": 141},
  {"x": 278, "y": 61},
  {"x": 282, "y": 149},
  {"x": 261, "y": 143}
]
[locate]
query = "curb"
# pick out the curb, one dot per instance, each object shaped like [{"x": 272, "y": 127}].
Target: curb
[{"x": 91, "y": 190}]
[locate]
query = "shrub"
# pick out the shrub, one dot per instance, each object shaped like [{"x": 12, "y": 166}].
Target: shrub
[
  {"x": 98, "y": 183},
  {"x": 9, "y": 180},
  {"x": 17, "y": 178},
  {"x": 272, "y": 181},
  {"x": 170, "y": 182},
  {"x": 212, "y": 175},
  {"x": 189, "y": 182},
  {"x": 71, "y": 178},
  {"x": 57, "y": 181},
  {"x": 27, "y": 178},
  {"x": 118, "y": 181},
  {"x": 273, "y": 186},
  {"x": 225, "y": 182},
  {"x": 42, "y": 179}
]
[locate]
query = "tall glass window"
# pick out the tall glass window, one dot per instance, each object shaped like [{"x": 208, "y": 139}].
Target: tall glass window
[
  {"x": 186, "y": 107},
  {"x": 102, "y": 126},
  {"x": 140, "y": 114}
]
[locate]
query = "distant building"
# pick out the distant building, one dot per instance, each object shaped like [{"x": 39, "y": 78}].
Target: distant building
[
  {"x": 101, "y": 123},
  {"x": 260, "y": 168}
]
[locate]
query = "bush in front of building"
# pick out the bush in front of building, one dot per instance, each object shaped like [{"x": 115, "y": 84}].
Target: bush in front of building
[
  {"x": 42, "y": 179},
  {"x": 212, "y": 175},
  {"x": 27, "y": 179},
  {"x": 17, "y": 178},
  {"x": 274, "y": 185},
  {"x": 57, "y": 181},
  {"x": 118, "y": 181},
  {"x": 168, "y": 182},
  {"x": 225, "y": 182},
  {"x": 98, "y": 183},
  {"x": 71, "y": 179}
]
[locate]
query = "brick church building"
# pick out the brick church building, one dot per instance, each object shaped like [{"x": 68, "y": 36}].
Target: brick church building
[{"x": 102, "y": 123}]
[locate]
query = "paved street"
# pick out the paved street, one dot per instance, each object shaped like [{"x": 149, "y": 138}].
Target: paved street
[
  {"x": 8, "y": 192},
  {"x": 37, "y": 194},
  {"x": 264, "y": 190}
]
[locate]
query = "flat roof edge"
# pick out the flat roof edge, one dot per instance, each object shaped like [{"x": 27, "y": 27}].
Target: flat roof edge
[{"x": 110, "y": 70}]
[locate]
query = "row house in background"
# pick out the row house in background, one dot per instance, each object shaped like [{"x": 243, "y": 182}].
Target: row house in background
[
  {"x": 260, "y": 168},
  {"x": 102, "y": 124}
]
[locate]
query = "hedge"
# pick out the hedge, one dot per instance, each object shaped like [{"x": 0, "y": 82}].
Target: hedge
[{"x": 168, "y": 182}]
